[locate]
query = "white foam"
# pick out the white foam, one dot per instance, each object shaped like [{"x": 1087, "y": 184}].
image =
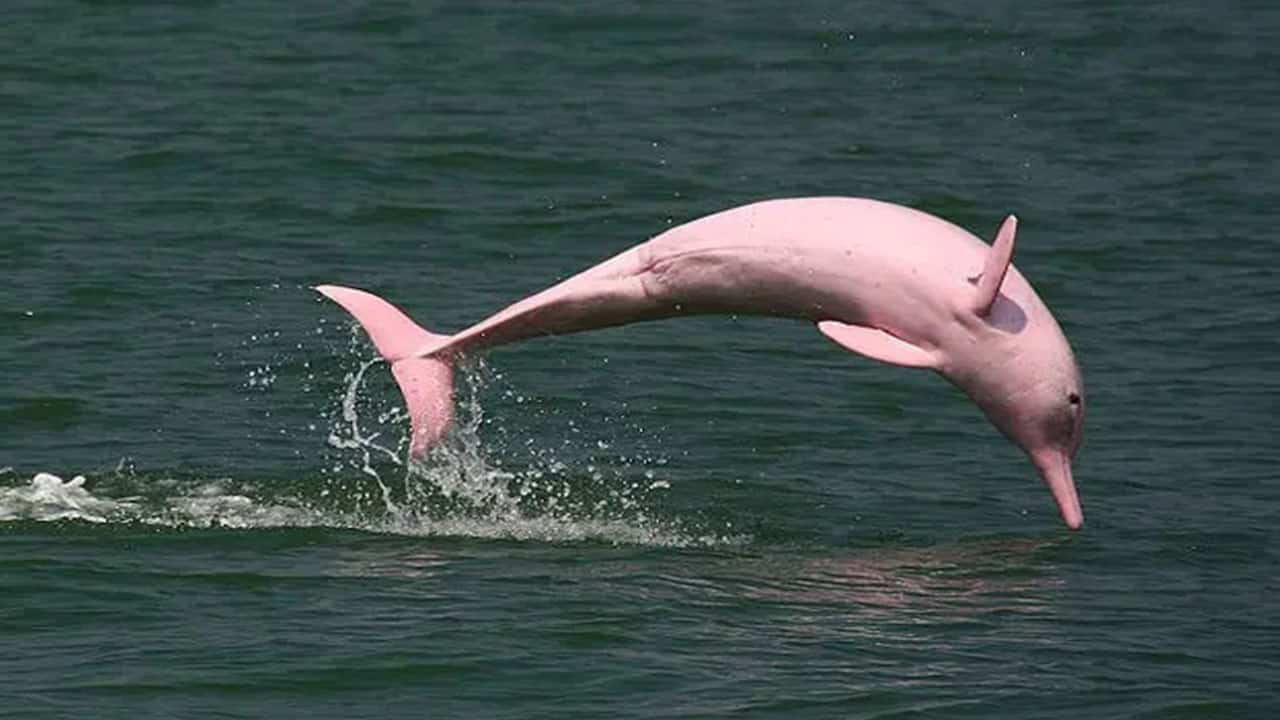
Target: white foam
[{"x": 48, "y": 497}]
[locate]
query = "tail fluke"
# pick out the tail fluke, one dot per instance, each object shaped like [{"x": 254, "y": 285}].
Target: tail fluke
[{"x": 425, "y": 382}]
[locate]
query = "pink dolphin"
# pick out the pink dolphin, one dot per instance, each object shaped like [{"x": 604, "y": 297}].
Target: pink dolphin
[{"x": 891, "y": 283}]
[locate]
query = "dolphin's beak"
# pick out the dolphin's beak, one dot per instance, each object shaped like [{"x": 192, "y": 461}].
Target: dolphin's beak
[{"x": 1055, "y": 469}]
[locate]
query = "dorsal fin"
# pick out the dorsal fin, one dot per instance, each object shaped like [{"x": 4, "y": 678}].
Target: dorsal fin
[{"x": 996, "y": 266}]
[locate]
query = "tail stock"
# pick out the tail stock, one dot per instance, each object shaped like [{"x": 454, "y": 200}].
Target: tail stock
[{"x": 425, "y": 382}]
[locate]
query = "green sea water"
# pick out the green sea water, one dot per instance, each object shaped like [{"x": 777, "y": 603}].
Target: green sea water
[{"x": 203, "y": 507}]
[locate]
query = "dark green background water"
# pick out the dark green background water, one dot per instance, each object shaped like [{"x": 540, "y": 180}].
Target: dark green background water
[{"x": 696, "y": 518}]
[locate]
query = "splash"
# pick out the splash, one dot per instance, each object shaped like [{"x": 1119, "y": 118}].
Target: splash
[
  {"x": 462, "y": 487},
  {"x": 514, "y": 488}
]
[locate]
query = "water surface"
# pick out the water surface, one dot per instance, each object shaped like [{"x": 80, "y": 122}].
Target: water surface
[{"x": 705, "y": 517}]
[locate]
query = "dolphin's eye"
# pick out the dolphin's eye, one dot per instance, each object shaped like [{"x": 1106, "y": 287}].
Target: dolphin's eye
[{"x": 1074, "y": 398}]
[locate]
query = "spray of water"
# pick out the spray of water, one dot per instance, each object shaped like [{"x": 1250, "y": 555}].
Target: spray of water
[
  {"x": 470, "y": 485},
  {"x": 463, "y": 487}
]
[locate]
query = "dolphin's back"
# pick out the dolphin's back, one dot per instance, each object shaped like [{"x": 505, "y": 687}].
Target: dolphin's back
[{"x": 811, "y": 258}]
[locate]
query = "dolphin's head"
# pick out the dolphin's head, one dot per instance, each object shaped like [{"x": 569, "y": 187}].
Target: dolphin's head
[
  {"x": 1029, "y": 387},
  {"x": 1040, "y": 405},
  {"x": 1018, "y": 367}
]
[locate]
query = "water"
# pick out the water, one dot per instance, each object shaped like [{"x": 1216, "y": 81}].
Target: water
[{"x": 705, "y": 517}]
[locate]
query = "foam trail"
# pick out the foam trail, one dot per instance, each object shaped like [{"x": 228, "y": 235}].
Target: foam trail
[{"x": 215, "y": 504}]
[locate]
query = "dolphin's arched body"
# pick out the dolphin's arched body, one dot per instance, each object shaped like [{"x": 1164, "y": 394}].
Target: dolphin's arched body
[{"x": 894, "y": 284}]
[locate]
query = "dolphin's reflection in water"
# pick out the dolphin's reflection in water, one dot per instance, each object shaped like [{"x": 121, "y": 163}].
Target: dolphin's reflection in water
[
  {"x": 898, "y": 592},
  {"x": 869, "y": 625},
  {"x": 833, "y": 626},
  {"x": 918, "y": 598}
]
